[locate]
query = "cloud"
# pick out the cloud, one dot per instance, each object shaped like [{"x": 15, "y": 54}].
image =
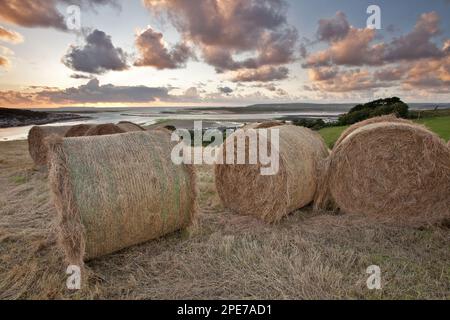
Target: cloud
[
  {"x": 417, "y": 44},
  {"x": 333, "y": 29},
  {"x": 348, "y": 80},
  {"x": 432, "y": 75},
  {"x": 355, "y": 49},
  {"x": 10, "y": 36},
  {"x": 411, "y": 62},
  {"x": 89, "y": 93},
  {"x": 93, "y": 92},
  {"x": 5, "y": 55},
  {"x": 391, "y": 73},
  {"x": 324, "y": 73},
  {"x": 4, "y": 62},
  {"x": 224, "y": 30},
  {"x": 154, "y": 53},
  {"x": 225, "y": 90},
  {"x": 263, "y": 74},
  {"x": 97, "y": 56},
  {"x": 81, "y": 76},
  {"x": 42, "y": 13}
]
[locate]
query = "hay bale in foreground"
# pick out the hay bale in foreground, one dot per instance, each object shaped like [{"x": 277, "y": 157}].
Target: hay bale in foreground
[
  {"x": 388, "y": 118},
  {"x": 112, "y": 192},
  {"x": 244, "y": 190},
  {"x": 103, "y": 130},
  {"x": 392, "y": 169},
  {"x": 37, "y": 145},
  {"x": 78, "y": 130},
  {"x": 129, "y": 126},
  {"x": 268, "y": 124}
]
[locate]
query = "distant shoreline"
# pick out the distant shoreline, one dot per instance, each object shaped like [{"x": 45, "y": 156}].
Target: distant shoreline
[{"x": 14, "y": 118}]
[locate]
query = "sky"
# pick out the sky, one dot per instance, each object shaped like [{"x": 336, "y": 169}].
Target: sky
[{"x": 57, "y": 53}]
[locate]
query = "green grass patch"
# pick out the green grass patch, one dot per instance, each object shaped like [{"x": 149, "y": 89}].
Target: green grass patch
[
  {"x": 439, "y": 125},
  {"x": 332, "y": 134}
]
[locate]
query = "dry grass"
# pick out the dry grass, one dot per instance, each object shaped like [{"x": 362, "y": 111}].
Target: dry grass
[{"x": 306, "y": 256}]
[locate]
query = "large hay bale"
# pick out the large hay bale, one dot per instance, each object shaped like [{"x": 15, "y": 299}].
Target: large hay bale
[
  {"x": 393, "y": 169},
  {"x": 103, "y": 130},
  {"x": 244, "y": 190},
  {"x": 78, "y": 130},
  {"x": 388, "y": 118},
  {"x": 115, "y": 191},
  {"x": 268, "y": 124},
  {"x": 129, "y": 126},
  {"x": 37, "y": 144}
]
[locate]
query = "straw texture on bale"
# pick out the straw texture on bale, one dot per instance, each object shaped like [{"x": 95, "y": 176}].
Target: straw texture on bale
[
  {"x": 244, "y": 190},
  {"x": 251, "y": 125},
  {"x": 388, "y": 118},
  {"x": 269, "y": 124},
  {"x": 115, "y": 191},
  {"x": 104, "y": 129},
  {"x": 395, "y": 170},
  {"x": 78, "y": 130},
  {"x": 129, "y": 126},
  {"x": 37, "y": 144}
]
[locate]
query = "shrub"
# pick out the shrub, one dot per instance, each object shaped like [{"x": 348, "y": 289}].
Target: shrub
[{"x": 375, "y": 109}]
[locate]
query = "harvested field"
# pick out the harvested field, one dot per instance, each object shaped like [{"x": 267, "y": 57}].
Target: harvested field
[{"x": 306, "y": 256}]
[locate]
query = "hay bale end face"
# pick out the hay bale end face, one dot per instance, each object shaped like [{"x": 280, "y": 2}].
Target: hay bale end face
[
  {"x": 37, "y": 144},
  {"x": 78, "y": 130},
  {"x": 394, "y": 169},
  {"x": 103, "y": 130},
  {"x": 129, "y": 126},
  {"x": 244, "y": 190},
  {"x": 115, "y": 191}
]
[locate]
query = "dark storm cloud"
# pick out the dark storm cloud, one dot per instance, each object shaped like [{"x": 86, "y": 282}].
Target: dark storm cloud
[
  {"x": 97, "y": 56},
  {"x": 93, "y": 92}
]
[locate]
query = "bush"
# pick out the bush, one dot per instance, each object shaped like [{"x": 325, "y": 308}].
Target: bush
[
  {"x": 374, "y": 109},
  {"x": 314, "y": 124}
]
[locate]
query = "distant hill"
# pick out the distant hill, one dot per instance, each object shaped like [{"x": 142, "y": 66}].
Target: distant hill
[
  {"x": 20, "y": 117},
  {"x": 292, "y": 107},
  {"x": 283, "y": 107}
]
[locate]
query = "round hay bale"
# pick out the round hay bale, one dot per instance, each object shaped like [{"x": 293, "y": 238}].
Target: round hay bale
[
  {"x": 116, "y": 191},
  {"x": 243, "y": 189},
  {"x": 268, "y": 125},
  {"x": 392, "y": 169},
  {"x": 103, "y": 130},
  {"x": 78, "y": 130},
  {"x": 37, "y": 145},
  {"x": 128, "y": 126},
  {"x": 388, "y": 118},
  {"x": 251, "y": 125}
]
